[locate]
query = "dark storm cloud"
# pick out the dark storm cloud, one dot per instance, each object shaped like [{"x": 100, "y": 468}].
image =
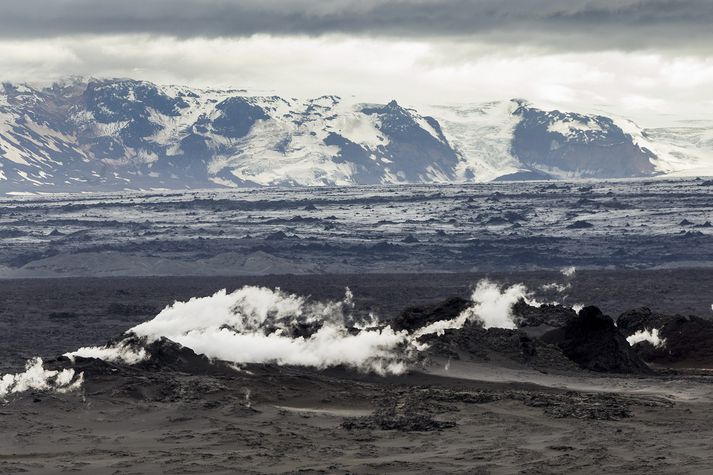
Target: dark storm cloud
[{"x": 561, "y": 24}]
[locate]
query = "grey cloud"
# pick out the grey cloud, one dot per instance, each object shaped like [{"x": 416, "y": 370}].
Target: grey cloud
[{"x": 559, "y": 24}]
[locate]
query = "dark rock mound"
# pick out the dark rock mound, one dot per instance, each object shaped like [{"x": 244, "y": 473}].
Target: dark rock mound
[
  {"x": 276, "y": 236},
  {"x": 495, "y": 197},
  {"x": 417, "y": 317},
  {"x": 642, "y": 318},
  {"x": 580, "y": 225},
  {"x": 171, "y": 373},
  {"x": 526, "y": 175},
  {"x": 498, "y": 345},
  {"x": 688, "y": 339},
  {"x": 603, "y": 407},
  {"x": 163, "y": 355},
  {"x": 497, "y": 221},
  {"x": 691, "y": 234},
  {"x": 92, "y": 368},
  {"x": 593, "y": 342},
  {"x": 538, "y": 320},
  {"x": 405, "y": 413},
  {"x": 550, "y": 337},
  {"x": 410, "y": 239},
  {"x": 166, "y": 355},
  {"x": 508, "y": 217}
]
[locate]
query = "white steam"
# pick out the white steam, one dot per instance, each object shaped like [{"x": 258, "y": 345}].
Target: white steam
[
  {"x": 652, "y": 336},
  {"x": 254, "y": 324},
  {"x": 118, "y": 353},
  {"x": 247, "y": 310},
  {"x": 561, "y": 287},
  {"x": 492, "y": 307},
  {"x": 261, "y": 325},
  {"x": 35, "y": 377},
  {"x": 492, "y": 304},
  {"x": 370, "y": 350},
  {"x": 556, "y": 287}
]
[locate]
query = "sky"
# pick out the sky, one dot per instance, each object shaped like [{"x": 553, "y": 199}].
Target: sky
[{"x": 649, "y": 60}]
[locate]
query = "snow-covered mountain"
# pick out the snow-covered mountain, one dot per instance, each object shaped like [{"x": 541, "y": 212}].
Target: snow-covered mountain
[{"x": 82, "y": 135}]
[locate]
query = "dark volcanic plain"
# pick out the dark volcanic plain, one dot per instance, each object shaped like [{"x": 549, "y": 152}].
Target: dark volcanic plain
[
  {"x": 80, "y": 270},
  {"x": 464, "y": 416},
  {"x": 369, "y": 229},
  {"x": 283, "y": 420}
]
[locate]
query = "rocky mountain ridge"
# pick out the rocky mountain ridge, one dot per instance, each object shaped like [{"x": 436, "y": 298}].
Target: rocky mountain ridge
[{"x": 117, "y": 134}]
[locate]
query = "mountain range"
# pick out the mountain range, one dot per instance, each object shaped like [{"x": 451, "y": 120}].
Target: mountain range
[{"x": 116, "y": 134}]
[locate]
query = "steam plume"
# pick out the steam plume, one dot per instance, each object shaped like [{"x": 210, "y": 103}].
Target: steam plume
[
  {"x": 652, "y": 336},
  {"x": 35, "y": 377},
  {"x": 261, "y": 325}
]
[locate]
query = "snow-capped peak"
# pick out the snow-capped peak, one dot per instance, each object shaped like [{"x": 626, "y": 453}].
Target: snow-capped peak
[{"x": 92, "y": 133}]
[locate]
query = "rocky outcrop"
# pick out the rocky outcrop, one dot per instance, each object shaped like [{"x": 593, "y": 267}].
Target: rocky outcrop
[
  {"x": 593, "y": 342},
  {"x": 683, "y": 340},
  {"x": 419, "y": 316}
]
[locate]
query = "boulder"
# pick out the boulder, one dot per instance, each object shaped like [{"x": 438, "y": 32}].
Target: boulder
[
  {"x": 593, "y": 342},
  {"x": 687, "y": 340}
]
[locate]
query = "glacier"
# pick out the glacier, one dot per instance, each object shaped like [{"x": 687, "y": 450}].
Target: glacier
[{"x": 85, "y": 134}]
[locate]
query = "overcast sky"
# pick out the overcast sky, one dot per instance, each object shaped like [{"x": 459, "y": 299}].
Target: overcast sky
[{"x": 651, "y": 60}]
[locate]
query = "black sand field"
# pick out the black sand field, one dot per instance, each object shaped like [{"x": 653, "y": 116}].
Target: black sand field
[
  {"x": 292, "y": 421},
  {"x": 471, "y": 414}
]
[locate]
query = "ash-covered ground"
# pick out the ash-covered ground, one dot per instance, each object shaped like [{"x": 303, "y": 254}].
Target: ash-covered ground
[
  {"x": 455, "y": 228},
  {"x": 451, "y": 377},
  {"x": 357, "y": 332}
]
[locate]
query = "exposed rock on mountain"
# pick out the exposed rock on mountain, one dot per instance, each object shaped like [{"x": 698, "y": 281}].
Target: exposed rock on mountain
[
  {"x": 577, "y": 145},
  {"x": 115, "y": 134}
]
